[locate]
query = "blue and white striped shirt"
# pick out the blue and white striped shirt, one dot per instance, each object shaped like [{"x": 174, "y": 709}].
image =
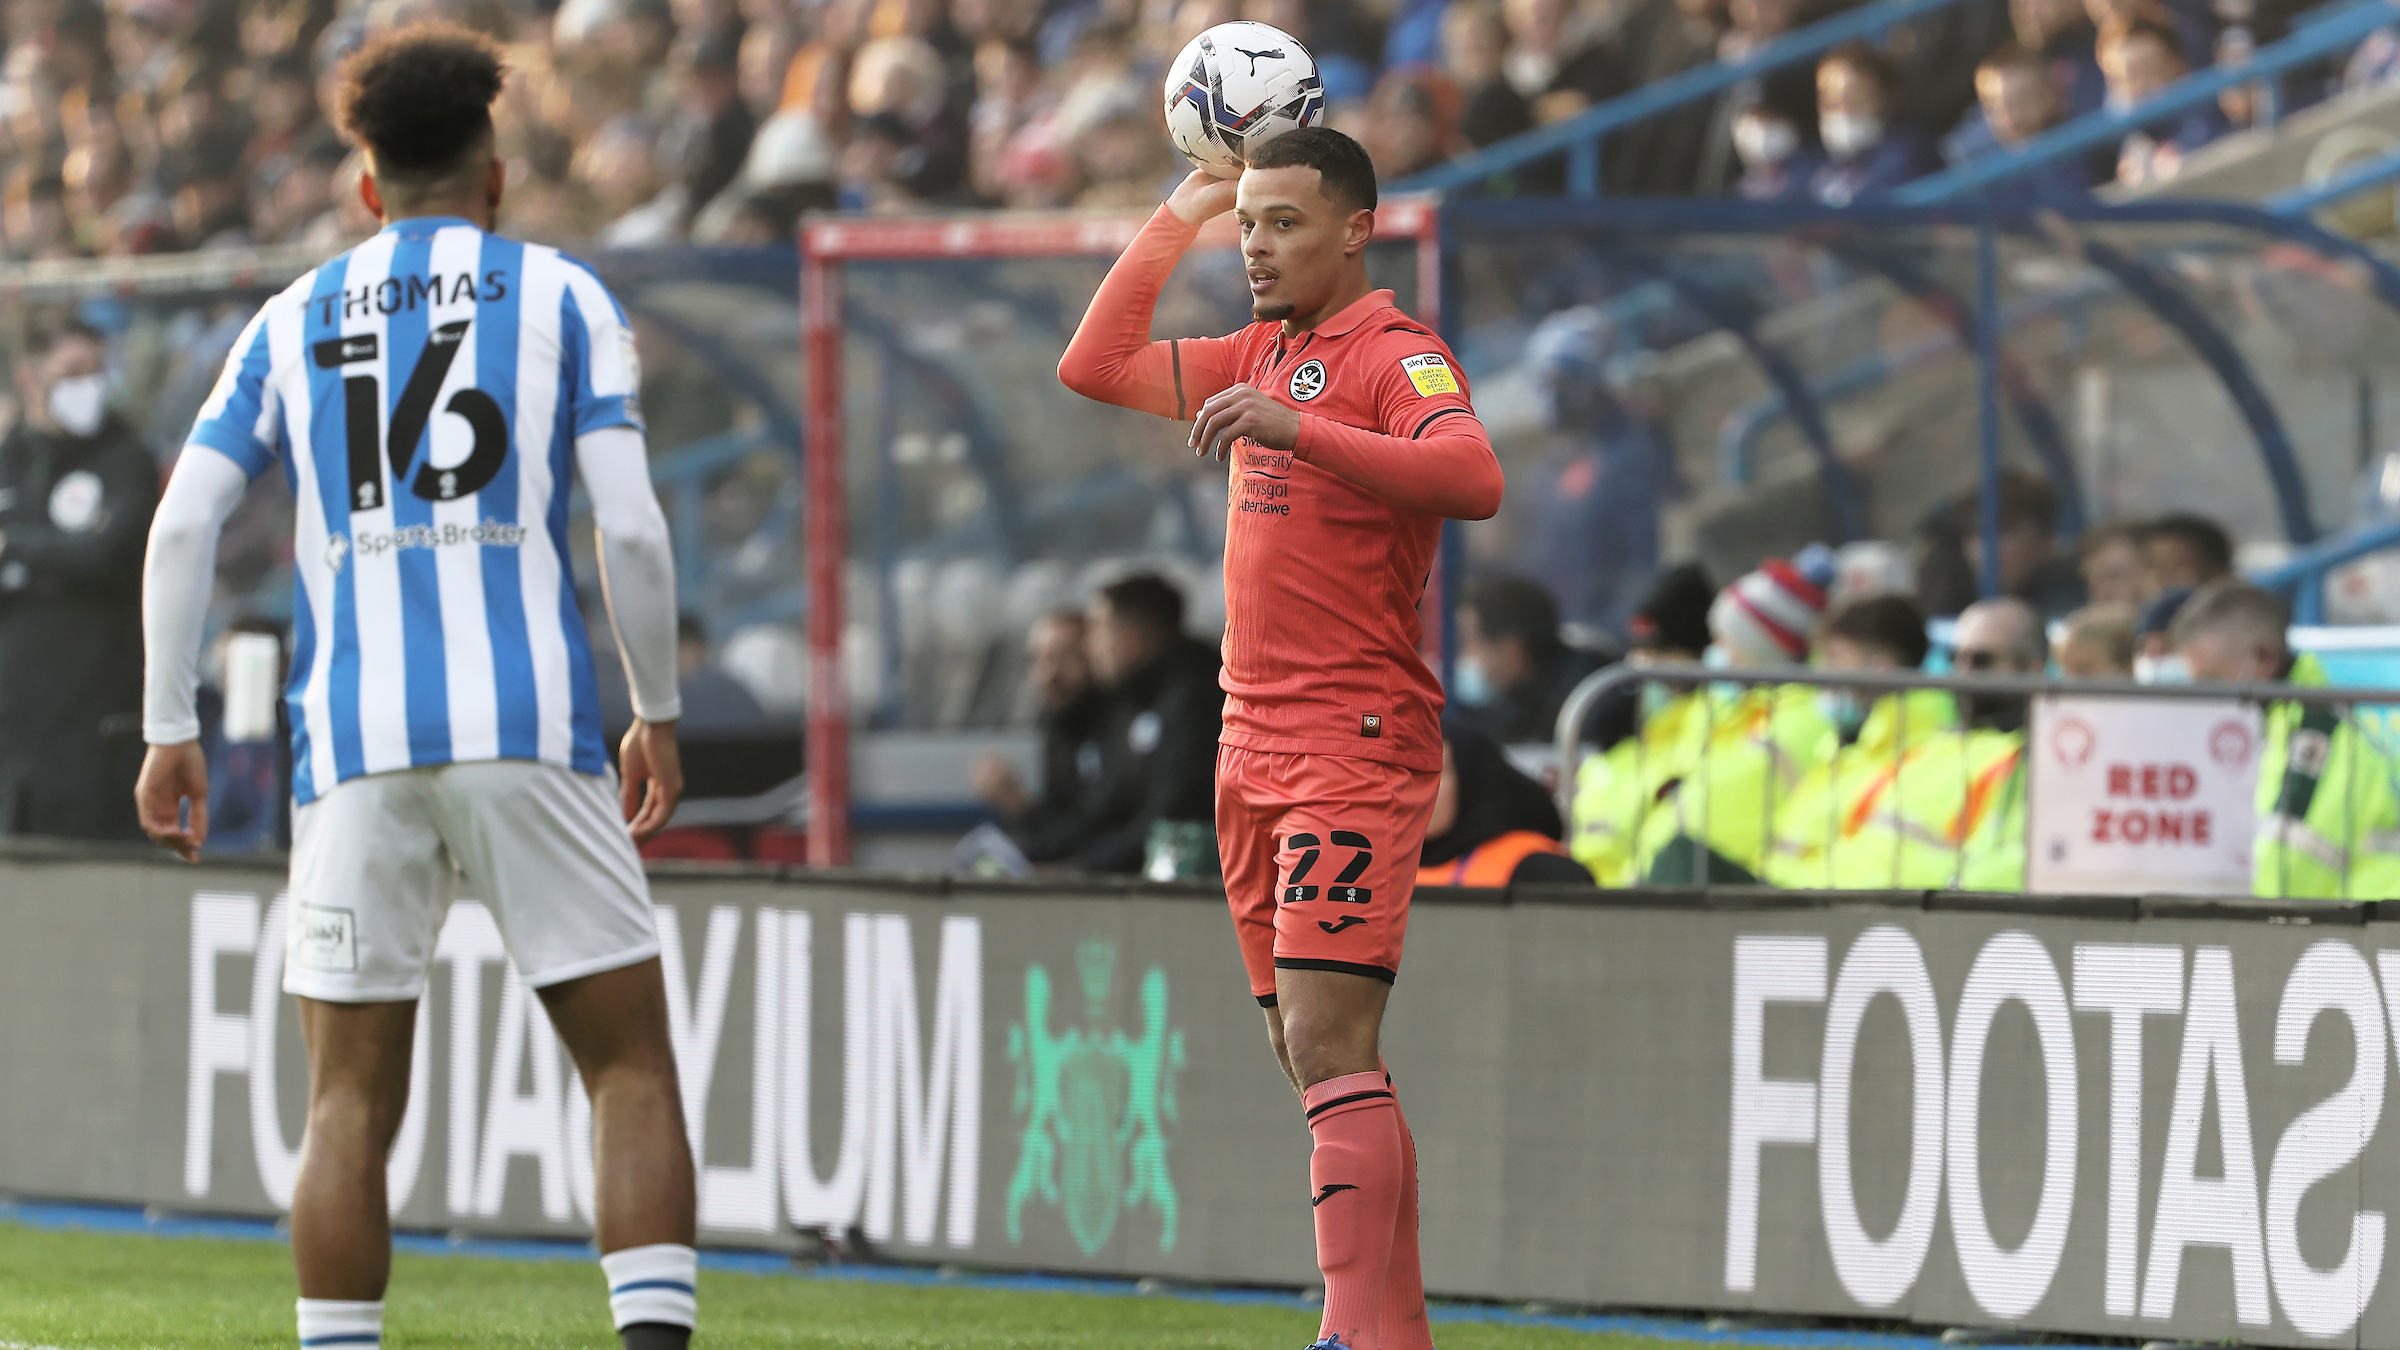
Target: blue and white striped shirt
[{"x": 424, "y": 392}]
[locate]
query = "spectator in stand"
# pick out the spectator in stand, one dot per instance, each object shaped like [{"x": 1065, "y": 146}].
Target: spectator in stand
[
  {"x": 1491, "y": 825},
  {"x": 2031, "y": 567},
  {"x": 1514, "y": 672},
  {"x": 1615, "y": 789},
  {"x": 1158, "y": 742},
  {"x": 2140, "y": 58},
  {"x": 77, "y": 489},
  {"x": 1777, "y": 166},
  {"x": 714, "y": 702},
  {"x": 2185, "y": 551},
  {"x": 2154, "y": 658},
  {"x": 1552, "y": 60},
  {"x": 2328, "y": 793},
  {"x": 1790, "y": 90},
  {"x": 1960, "y": 821},
  {"x": 707, "y": 135},
  {"x": 1048, "y": 825},
  {"x": 2099, "y": 643},
  {"x": 1591, "y": 534},
  {"x": 1864, "y": 772},
  {"x": 2110, "y": 559},
  {"x": 1754, "y": 740},
  {"x": 1474, "y": 45},
  {"x": 2061, "y": 33},
  {"x": 1866, "y": 152},
  {"x": 1412, "y": 122},
  {"x": 2017, "y": 101}
]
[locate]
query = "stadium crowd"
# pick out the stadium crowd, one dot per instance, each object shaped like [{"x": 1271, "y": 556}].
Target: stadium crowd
[{"x": 141, "y": 126}]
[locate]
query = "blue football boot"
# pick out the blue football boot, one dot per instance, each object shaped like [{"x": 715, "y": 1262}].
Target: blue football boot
[{"x": 1331, "y": 1343}]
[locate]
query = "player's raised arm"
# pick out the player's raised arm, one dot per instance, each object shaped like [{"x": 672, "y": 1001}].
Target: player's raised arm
[{"x": 1111, "y": 357}]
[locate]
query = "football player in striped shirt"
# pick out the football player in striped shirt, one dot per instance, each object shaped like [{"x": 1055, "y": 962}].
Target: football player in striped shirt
[{"x": 430, "y": 396}]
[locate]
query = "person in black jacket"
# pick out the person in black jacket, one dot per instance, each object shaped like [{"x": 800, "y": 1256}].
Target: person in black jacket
[
  {"x": 1048, "y": 823},
  {"x": 1158, "y": 737},
  {"x": 77, "y": 489}
]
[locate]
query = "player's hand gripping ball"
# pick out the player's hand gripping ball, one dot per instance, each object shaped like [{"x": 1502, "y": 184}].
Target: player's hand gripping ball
[{"x": 1237, "y": 85}]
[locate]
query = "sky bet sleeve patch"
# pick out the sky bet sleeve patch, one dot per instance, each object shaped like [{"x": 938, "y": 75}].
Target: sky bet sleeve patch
[{"x": 1430, "y": 374}]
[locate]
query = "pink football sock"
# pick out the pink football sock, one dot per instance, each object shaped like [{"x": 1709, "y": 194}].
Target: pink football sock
[
  {"x": 1356, "y": 1172},
  {"x": 1403, "y": 1325}
]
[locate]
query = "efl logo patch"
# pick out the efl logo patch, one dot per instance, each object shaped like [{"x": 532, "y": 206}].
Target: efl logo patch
[
  {"x": 324, "y": 939},
  {"x": 1430, "y": 374},
  {"x": 1309, "y": 380},
  {"x": 1370, "y": 725}
]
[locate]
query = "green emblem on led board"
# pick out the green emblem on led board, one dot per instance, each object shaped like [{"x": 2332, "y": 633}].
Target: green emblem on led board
[{"x": 1094, "y": 1106}]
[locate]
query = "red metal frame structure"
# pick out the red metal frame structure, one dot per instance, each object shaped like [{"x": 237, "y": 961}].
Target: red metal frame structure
[{"x": 825, "y": 245}]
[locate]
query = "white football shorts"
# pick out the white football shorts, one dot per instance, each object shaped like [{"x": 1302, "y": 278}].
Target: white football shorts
[{"x": 543, "y": 847}]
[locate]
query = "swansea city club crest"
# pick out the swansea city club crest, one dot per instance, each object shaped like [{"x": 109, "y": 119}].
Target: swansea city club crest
[{"x": 1309, "y": 380}]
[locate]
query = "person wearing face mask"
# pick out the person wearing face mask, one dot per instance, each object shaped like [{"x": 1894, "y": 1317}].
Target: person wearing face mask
[
  {"x": 1776, "y": 167},
  {"x": 1514, "y": 671},
  {"x": 1865, "y": 152},
  {"x": 1616, "y": 789},
  {"x": 1864, "y": 769},
  {"x": 2155, "y": 660},
  {"x": 77, "y": 489},
  {"x": 1747, "y": 746},
  {"x": 2328, "y": 796}
]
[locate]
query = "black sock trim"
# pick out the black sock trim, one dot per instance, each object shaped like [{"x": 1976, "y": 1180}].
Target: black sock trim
[
  {"x": 1383, "y": 973},
  {"x": 1369, "y": 1095}
]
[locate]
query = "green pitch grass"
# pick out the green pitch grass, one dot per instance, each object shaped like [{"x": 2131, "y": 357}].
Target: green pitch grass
[{"x": 107, "y": 1291}]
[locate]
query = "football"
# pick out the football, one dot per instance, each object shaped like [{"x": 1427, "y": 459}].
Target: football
[{"x": 1237, "y": 85}]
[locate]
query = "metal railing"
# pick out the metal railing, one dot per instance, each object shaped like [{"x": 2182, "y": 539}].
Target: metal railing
[{"x": 1587, "y": 696}]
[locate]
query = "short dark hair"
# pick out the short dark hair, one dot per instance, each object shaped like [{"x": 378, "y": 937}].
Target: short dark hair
[
  {"x": 44, "y": 332},
  {"x": 2013, "y": 56},
  {"x": 1147, "y": 599},
  {"x": 2204, "y": 536},
  {"x": 2101, "y": 536},
  {"x": 1869, "y": 60},
  {"x": 1345, "y": 174},
  {"x": 420, "y": 99},
  {"x": 2027, "y": 499},
  {"x": 2126, "y": 30},
  {"x": 1510, "y": 606},
  {"x": 1891, "y": 624}
]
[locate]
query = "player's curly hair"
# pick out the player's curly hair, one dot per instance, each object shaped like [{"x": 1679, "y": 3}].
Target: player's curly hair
[{"x": 420, "y": 98}]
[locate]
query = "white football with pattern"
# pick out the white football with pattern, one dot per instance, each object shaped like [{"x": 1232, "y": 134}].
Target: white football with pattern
[{"x": 1237, "y": 85}]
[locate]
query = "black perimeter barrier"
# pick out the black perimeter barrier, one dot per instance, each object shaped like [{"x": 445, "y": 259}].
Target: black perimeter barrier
[{"x": 2122, "y": 1116}]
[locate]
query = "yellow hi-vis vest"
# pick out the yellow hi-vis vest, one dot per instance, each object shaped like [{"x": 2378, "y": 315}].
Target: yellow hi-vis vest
[
  {"x": 1615, "y": 790},
  {"x": 1816, "y": 828},
  {"x": 1743, "y": 754},
  {"x": 2328, "y": 805},
  {"x": 1944, "y": 821}
]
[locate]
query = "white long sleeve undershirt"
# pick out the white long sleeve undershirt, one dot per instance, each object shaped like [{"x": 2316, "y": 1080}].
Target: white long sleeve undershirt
[
  {"x": 637, "y": 571},
  {"x": 637, "y": 565}
]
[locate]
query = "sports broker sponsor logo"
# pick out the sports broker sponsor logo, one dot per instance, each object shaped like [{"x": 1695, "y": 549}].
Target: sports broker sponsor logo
[
  {"x": 499, "y": 534},
  {"x": 2338, "y": 1005},
  {"x": 908, "y": 1061}
]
